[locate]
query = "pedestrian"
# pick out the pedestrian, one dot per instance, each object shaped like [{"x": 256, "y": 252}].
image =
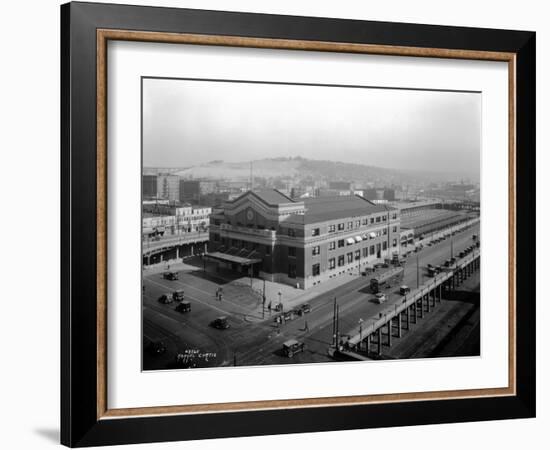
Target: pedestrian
[
  {"x": 306, "y": 326},
  {"x": 221, "y": 296},
  {"x": 217, "y": 294},
  {"x": 269, "y": 306}
]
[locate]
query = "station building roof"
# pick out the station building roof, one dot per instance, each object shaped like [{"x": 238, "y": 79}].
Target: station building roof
[
  {"x": 322, "y": 209},
  {"x": 271, "y": 197}
]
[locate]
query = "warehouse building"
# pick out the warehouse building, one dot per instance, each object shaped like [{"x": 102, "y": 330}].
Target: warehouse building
[{"x": 301, "y": 242}]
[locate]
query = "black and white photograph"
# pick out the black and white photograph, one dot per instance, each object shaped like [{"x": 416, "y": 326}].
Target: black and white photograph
[{"x": 302, "y": 223}]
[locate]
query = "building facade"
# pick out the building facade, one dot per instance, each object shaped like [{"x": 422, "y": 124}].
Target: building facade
[
  {"x": 168, "y": 187},
  {"x": 302, "y": 242},
  {"x": 149, "y": 186},
  {"x": 167, "y": 219}
]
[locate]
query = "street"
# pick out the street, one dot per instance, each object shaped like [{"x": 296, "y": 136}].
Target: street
[{"x": 255, "y": 340}]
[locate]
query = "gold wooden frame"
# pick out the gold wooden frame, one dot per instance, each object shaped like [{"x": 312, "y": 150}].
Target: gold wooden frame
[{"x": 103, "y": 36}]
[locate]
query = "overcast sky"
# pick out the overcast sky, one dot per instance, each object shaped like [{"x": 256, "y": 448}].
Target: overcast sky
[{"x": 189, "y": 122}]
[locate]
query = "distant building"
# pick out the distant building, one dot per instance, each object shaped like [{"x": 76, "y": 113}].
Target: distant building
[
  {"x": 340, "y": 185},
  {"x": 380, "y": 194},
  {"x": 192, "y": 190},
  {"x": 301, "y": 242},
  {"x": 169, "y": 219},
  {"x": 149, "y": 186},
  {"x": 333, "y": 192},
  {"x": 168, "y": 187}
]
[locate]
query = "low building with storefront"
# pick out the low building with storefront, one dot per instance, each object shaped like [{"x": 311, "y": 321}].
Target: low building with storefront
[{"x": 301, "y": 242}]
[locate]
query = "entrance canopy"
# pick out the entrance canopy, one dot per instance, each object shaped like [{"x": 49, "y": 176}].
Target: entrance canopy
[{"x": 225, "y": 257}]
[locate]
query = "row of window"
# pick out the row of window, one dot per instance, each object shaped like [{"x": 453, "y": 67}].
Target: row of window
[
  {"x": 343, "y": 242},
  {"x": 351, "y": 224}
]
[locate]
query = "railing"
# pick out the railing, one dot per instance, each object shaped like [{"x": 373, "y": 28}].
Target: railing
[{"x": 385, "y": 316}]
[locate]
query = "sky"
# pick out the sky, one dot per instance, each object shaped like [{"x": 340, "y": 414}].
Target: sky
[{"x": 189, "y": 122}]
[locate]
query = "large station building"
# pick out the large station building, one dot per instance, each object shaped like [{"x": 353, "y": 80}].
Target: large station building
[{"x": 301, "y": 242}]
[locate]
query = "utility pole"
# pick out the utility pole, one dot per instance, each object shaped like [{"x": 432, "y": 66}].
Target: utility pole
[
  {"x": 263, "y": 302},
  {"x": 417, "y": 272},
  {"x": 334, "y": 341}
]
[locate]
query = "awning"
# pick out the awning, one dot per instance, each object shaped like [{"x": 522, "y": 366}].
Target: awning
[
  {"x": 358, "y": 239},
  {"x": 232, "y": 258},
  {"x": 350, "y": 241},
  {"x": 372, "y": 234}
]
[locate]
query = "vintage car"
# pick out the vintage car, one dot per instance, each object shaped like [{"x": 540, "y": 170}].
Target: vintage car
[
  {"x": 165, "y": 298},
  {"x": 291, "y": 347},
  {"x": 170, "y": 275},
  {"x": 183, "y": 307},
  {"x": 178, "y": 295},
  {"x": 404, "y": 290},
  {"x": 220, "y": 323}
]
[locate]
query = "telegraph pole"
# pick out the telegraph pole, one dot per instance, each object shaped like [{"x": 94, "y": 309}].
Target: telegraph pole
[
  {"x": 334, "y": 341},
  {"x": 417, "y": 272}
]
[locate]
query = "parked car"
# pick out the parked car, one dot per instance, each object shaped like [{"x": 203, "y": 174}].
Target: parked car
[
  {"x": 220, "y": 323},
  {"x": 165, "y": 299},
  {"x": 170, "y": 275},
  {"x": 291, "y": 347},
  {"x": 431, "y": 272},
  {"x": 404, "y": 290},
  {"x": 178, "y": 295},
  {"x": 448, "y": 263},
  {"x": 380, "y": 298},
  {"x": 183, "y": 307},
  {"x": 306, "y": 308}
]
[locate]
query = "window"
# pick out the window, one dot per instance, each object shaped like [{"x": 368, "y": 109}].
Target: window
[
  {"x": 385, "y": 231},
  {"x": 291, "y": 232},
  {"x": 216, "y": 237},
  {"x": 340, "y": 226},
  {"x": 316, "y": 250},
  {"x": 384, "y": 218},
  {"x": 384, "y": 245},
  {"x": 357, "y": 223},
  {"x": 332, "y": 245},
  {"x": 350, "y": 257},
  {"x": 365, "y": 221},
  {"x": 332, "y": 263},
  {"x": 341, "y": 243},
  {"x": 350, "y": 225},
  {"x": 292, "y": 271},
  {"x": 395, "y": 229},
  {"x": 394, "y": 243},
  {"x": 235, "y": 243},
  {"x": 357, "y": 255},
  {"x": 372, "y": 220},
  {"x": 378, "y": 219},
  {"x": 268, "y": 250},
  {"x": 292, "y": 251},
  {"x": 394, "y": 216},
  {"x": 315, "y": 232},
  {"x": 316, "y": 269},
  {"x": 372, "y": 249},
  {"x": 365, "y": 252},
  {"x": 331, "y": 228},
  {"x": 341, "y": 260}
]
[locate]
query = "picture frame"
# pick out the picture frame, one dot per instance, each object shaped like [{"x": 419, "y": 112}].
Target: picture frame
[{"x": 86, "y": 418}]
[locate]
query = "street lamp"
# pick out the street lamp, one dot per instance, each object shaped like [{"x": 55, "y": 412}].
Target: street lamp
[{"x": 360, "y": 331}]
